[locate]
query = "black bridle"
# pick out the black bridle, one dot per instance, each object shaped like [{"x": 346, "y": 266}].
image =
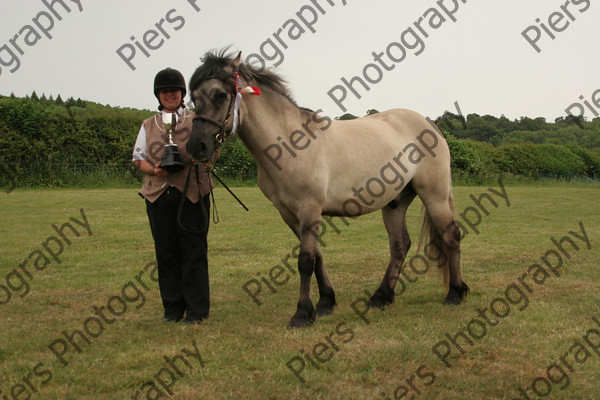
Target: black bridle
[{"x": 221, "y": 135}]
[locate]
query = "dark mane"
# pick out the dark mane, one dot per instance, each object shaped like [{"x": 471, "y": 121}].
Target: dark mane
[{"x": 215, "y": 65}]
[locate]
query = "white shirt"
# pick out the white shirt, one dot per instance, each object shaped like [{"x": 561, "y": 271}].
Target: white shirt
[{"x": 139, "y": 149}]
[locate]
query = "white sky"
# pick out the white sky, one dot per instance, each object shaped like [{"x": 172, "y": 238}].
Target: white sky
[{"x": 481, "y": 60}]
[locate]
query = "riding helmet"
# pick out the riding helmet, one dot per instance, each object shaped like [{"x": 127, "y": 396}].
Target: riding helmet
[{"x": 169, "y": 78}]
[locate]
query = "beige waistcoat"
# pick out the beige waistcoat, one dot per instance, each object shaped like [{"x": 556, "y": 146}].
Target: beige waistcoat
[{"x": 156, "y": 139}]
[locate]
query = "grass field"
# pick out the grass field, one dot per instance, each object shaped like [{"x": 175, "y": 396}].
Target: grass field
[{"x": 525, "y": 331}]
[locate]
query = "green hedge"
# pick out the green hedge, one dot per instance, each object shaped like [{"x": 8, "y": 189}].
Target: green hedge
[{"x": 77, "y": 143}]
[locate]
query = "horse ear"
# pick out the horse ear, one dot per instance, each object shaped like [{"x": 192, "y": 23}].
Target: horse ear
[{"x": 237, "y": 60}]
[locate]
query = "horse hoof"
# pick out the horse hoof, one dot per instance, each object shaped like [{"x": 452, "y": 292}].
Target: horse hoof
[
  {"x": 453, "y": 298},
  {"x": 452, "y": 301},
  {"x": 303, "y": 318},
  {"x": 298, "y": 323},
  {"x": 379, "y": 301},
  {"x": 373, "y": 303},
  {"x": 456, "y": 294},
  {"x": 381, "y": 298},
  {"x": 325, "y": 307},
  {"x": 322, "y": 312}
]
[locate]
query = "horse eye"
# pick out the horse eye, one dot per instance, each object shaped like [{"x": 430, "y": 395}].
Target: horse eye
[{"x": 220, "y": 97}]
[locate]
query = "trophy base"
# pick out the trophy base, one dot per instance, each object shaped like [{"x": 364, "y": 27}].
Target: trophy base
[
  {"x": 171, "y": 161},
  {"x": 176, "y": 167}
]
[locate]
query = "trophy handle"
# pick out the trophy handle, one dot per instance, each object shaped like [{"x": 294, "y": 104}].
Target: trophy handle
[
  {"x": 169, "y": 121},
  {"x": 171, "y": 160}
]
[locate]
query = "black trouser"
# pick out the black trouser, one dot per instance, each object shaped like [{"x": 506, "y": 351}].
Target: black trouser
[{"x": 181, "y": 256}]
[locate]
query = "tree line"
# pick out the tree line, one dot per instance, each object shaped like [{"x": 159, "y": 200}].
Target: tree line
[{"x": 46, "y": 141}]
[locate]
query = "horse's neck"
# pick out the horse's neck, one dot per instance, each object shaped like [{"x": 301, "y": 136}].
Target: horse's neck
[{"x": 268, "y": 117}]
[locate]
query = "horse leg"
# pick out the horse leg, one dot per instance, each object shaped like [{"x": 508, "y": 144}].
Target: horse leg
[
  {"x": 445, "y": 235},
  {"x": 326, "y": 292},
  {"x": 457, "y": 288},
  {"x": 394, "y": 218},
  {"x": 308, "y": 231}
]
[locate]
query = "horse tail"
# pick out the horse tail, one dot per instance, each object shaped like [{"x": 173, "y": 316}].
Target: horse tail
[{"x": 432, "y": 242}]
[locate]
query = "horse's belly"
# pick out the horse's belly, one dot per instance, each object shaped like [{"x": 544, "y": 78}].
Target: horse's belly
[{"x": 367, "y": 194}]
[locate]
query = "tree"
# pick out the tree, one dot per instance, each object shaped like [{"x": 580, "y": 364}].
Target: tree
[
  {"x": 528, "y": 124},
  {"x": 574, "y": 120},
  {"x": 347, "y": 116},
  {"x": 70, "y": 102},
  {"x": 504, "y": 124},
  {"x": 447, "y": 118}
]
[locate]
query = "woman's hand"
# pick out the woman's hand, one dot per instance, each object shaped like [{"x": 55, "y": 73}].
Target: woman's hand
[
  {"x": 150, "y": 169},
  {"x": 160, "y": 172}
]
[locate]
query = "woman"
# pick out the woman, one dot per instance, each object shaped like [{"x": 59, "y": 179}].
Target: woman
[{"x": 179, "y": 241}]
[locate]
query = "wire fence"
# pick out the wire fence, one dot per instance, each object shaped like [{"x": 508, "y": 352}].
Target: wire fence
[{"x": 50, "y": 174}]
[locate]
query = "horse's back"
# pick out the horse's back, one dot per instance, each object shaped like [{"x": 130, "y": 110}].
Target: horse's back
[
  {"x": 403, "y": 121},
  {"x": 380, "y": 137},
  {"x": 378, "y": 155}
]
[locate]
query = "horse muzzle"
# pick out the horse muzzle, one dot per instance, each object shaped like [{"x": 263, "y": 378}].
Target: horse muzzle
[{"x": 200, "y": 149}]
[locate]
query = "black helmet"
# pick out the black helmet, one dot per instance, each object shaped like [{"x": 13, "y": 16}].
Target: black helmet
[{"x": 169, "y": 78}]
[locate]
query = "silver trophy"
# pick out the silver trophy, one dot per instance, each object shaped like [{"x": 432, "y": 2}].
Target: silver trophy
[{"x": 171, "y": 159}]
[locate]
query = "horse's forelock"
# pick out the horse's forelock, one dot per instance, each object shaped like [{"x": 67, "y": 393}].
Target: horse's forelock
[{"x": 214, "y": 66}]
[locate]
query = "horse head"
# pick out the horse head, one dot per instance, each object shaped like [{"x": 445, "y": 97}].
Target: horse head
[{"x": 213, "y": 91}]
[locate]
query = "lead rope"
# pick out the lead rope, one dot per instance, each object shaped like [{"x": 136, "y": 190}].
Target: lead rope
[
  {"x": 215, "y": 212},
  {"x": 215, "y": 216},
  {"x": 182, "y": 202},
  {"x": 229, "y": 190}
]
